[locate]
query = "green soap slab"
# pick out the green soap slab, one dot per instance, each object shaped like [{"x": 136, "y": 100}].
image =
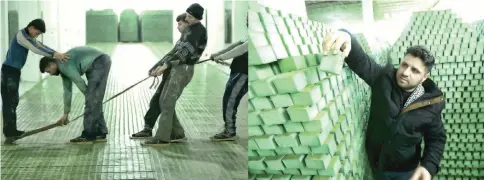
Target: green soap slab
[
  {"x": 304, "y": 49},
  {"x": 274, "y": 162},
  {"x": 250, "y": 107},
  {"x": 282, "y": 100},
  {"x": 252, "y": 176},
  {"x": 333, "y": 167},
  {"x": 302, "y": 113},
  {"x": 265, "y": 142},
  {"x": 301, "y": 177},
  {"x": 256, "y": 163},
  {"x": 282, "y": 177},
  {"x": 333, "y": 112},
  {"x": 251, "y": 92},
  {"x": 280, "y": 51},
  {"x": 317, "y": 161},
  {"x": 293, "y": 127},
  {"x": 312, "y": 138},
  {"x": 330, "y": 144},
  {"x": 264, "y": 177},
  {"x": 308, "y": 171},
  {"x": 326, "y": 86},
  {"x": 264, "y": 87},
  {"x": 294, "y": 161},
  {"x": 341, "y": 151},
  {"x": 301, "y": 150},
  {"x": 290, "y": 82},
  {"x": 261, "y": 103},
  {"x": 252, "y": 144},
  {"x": 266, "y": 18},
  {"x": 308, "y": 96},
  {"x": 292, "y": 63},
  {"x": 284, "y": 151},
  {"x": 320, "y": 123},
  {"x": 321, "y": 104},
  {"x": 332, "y": 63},
  {"x": 345, "y": 165},
  {"x": 252, "y": 153},
  {"x": 274, "y": 116},
  {"x": 266, "y": 152},
  {"x": 311, "y": 60},
  {"x": 262, "y": 55},
  {"x": 312, "y": 75},
  {"x": 255, "y": 131},
  {"x": 273, "y": 172},
  {"x": 274, "y": 129},
  {"x": 287, "y": 39},
  {"x": 256, "y": 171},
  {"x": 258, "y": 72},
  {"x": 292, "y": 49},
  {"x": 254, "y": 119},
  {"x": 287, "y": 140},
  {"x": 275, "y": 39},
  {"x": 292, "y": 172},
  {"x": 258, "y": 39}
]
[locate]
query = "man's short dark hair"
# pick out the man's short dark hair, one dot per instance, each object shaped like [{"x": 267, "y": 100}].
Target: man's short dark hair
[
  {"x": 182, "y": 18},
  {"x": 424, "y": 54},
  {"x": 44, "y": 62},
  {"x": 38, "y": 24}
]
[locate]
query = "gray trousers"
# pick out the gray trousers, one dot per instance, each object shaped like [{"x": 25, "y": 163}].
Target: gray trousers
[
  {"x": 169, "y": 125},
  {"x": 97, "y": 78}
]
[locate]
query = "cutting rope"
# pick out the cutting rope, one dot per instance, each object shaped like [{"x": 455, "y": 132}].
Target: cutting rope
[{"x": 50, "y": 126}]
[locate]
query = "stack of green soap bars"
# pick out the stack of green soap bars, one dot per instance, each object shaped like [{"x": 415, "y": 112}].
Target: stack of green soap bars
[
  {"x": 155, "y": 21},
  {"x": 128, "y": 26},
  {"x": 459, "y": 68},
  {"x": 108, "y": 32},
  {"x": 307, "y": 114}
]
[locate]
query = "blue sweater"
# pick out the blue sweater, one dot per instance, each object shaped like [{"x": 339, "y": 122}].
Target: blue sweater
[{"x": 19, "y": 49}]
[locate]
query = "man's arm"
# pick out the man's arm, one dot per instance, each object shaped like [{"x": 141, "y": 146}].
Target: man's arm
[
  {"x": 237, "y": 51},
  {"x": 362, "y": 64},
  {"x": 187, "y": 48},
  {"x": 230, "y": 47},
  {"x": 26, "y": 41},
  {"x": 67, "y": 93},
  {"x": 434, "y": 139},
  {"x": 168, "y": 56}
]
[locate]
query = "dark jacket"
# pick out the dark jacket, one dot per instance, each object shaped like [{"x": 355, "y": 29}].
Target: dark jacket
[
  {"x": 188, "y": 48},
  {"x": 393, "y": 139}
]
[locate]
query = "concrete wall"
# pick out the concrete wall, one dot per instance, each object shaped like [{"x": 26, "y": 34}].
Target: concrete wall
[{"x": 3, "y": 30}]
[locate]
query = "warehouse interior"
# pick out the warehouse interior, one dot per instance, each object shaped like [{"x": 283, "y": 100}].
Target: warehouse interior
[
  {"x": 308, "y": 117},
  {"x": 136, "y": 34}
]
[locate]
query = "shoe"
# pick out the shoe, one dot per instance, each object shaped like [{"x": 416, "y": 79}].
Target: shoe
[
  {"x": 155, "y": 142},
  {"x": 82, "y": 140},
  {"x": 17, "y": 135},
  {"x": 175, "y": 139},
  {"x": 223, "y": 136},
  {"x": 142, "y": 134},
  {"x": 101, "y": 138}
]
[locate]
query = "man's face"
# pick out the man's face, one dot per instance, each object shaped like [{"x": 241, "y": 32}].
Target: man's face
[
  {"x": 411, "y": 73},
  {"x": 181, "y": 26},
  {"x": 34, "y": 33},
  {"x": 52, "y": 69},
  {"x": 190, "y": 19}
]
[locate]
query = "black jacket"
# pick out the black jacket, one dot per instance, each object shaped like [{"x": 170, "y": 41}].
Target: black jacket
[
  {"x": 396, "y": 137},
  {"x": 239, "y": 63}
]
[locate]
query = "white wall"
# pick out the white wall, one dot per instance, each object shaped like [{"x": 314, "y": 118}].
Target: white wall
[
  {"x": 239, "y": 14},
  {"x": 3, "y": 30}
]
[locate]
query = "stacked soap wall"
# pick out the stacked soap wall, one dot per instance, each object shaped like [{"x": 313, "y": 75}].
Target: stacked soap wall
[
  {"x": 304, "y": 123},
  {"x": 458, "y": 51}
]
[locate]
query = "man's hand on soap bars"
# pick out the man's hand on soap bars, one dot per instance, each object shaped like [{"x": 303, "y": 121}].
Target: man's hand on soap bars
[{"x": 337, "y": 41}]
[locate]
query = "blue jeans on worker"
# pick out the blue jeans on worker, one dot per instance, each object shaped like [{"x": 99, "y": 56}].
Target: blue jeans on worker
[{"x": 235, "y": 89}]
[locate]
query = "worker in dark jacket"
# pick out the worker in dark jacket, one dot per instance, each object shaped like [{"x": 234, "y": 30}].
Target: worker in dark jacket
[
  {"x": 181, "y": 64},
  {"x": 406, "y": 108}
]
